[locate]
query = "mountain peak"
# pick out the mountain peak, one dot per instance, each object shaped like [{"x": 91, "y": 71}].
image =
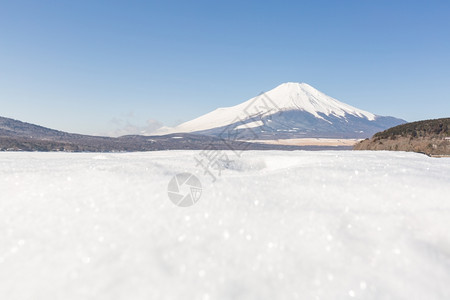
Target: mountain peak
[
  {"x": 298, "y": 85},
  {"x": 308, "y": 104},
  {"x": 304, "y": 97},
  {"x": 292, "y": 83}
]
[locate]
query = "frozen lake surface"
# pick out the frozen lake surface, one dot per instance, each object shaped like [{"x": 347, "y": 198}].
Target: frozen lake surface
[{"x": 274, "y": 225}]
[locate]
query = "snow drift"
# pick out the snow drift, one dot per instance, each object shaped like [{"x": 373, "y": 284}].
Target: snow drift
[{"x": 275, "y": 225}]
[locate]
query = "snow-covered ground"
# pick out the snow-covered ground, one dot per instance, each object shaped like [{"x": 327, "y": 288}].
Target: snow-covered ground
[{"x": 275, "y": 225}]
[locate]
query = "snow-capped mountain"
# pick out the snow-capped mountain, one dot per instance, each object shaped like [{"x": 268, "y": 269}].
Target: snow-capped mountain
[{"x": 291, "y": 110}]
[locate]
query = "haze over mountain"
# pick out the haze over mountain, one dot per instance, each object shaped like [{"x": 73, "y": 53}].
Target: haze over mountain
[{"x": 291, "y": 110}]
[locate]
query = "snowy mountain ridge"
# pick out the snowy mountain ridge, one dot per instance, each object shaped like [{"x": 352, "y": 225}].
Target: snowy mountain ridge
[
  {"x": 309, "y": 112},
  {"x": 304, "y": 97}
]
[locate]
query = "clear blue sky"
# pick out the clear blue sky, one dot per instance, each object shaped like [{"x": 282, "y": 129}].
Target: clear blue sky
[{"x": 94, "y": 66}]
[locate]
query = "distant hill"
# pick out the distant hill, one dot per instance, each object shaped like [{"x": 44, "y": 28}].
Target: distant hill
[
  {"x": 430, "y": 136},
  {"x": 20, "y": 136},
  {"x": 14, "y": 128}
]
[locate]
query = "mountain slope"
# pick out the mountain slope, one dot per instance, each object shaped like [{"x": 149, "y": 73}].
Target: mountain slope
[
  {"x": 15, "y": 128},
  {"x": 291, "y": 110},
  {"x": 430, "y": 136}
]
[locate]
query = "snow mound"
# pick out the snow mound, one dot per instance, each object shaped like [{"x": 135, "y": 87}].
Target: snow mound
[
  {"x": 275, "y": 225},
  {"x": 241, "y": 164}
]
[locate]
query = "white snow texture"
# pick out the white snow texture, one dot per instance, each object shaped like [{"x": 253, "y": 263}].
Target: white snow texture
[{"x": 275, "y": 225}]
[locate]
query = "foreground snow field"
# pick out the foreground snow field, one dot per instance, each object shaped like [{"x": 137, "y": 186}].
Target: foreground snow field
[{"x": 275, "y": 225}]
